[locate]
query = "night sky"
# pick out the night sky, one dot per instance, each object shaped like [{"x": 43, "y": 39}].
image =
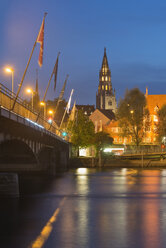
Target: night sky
[{"x": 133, "y": 32}]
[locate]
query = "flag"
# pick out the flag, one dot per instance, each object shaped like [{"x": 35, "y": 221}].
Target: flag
[
  {"x": 72, "y": 114},
  {"x": 56, "y": 71},
  {"x": 63, "y": 90},
  {"x": 61, "y": 93},
  {"x": 69, "y": 102},
  {"x": 40, "y": 39}
]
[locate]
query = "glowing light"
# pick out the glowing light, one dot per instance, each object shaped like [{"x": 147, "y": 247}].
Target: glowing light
[
  {"x": 50, "y": 120},
  {"x": 9, "y": 70},
  {"x": 42, "y": 103},
  {"x": 50, "y": 112},
  {"x": 82, "y": 152},
  {"x": 82, "y": 171},
  {"x": 64, "y": 134},
  {"x": 29, "y": 91},
  {"x": 113, "y": 149}
]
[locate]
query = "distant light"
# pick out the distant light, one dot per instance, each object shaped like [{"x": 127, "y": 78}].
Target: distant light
[
  {"x": 50, "y": 112},
  {"x": 50, "y": 120},
  {"x": 29, "y": 90},
  {"x": 82, "y": 152},
  {"x": 82, "y": 171},
  {"x": 42, "y": 103},
  {"x": 113, "y": 149},
  {"x": 9, "y": 70},
  {"x": 64, "y": 134}
]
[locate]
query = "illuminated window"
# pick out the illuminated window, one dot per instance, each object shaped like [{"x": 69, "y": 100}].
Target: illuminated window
[
  {"x": 106, "y": 78},
  {"x": 155, "y": 118},
  {"x": 106, "y": 87},
  {"x": 102, "y": 87},
  {"x": 110, "y": 87},
  {"x": 102, "y": 78},
  {"x": 109, "y": 78}
]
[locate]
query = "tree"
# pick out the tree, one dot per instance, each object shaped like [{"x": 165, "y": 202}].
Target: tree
[
  {"x": 132, "y": 115},
  {"x": 81, "y": 130},
  {"x": 102, "y": 139},
  {"x": 161, "y": 125}
]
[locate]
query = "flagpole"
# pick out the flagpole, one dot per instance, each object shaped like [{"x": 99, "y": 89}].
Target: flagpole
[
  {"x": 21, "y": 83},
  {"x": 66, "y": 109},
  {"x": 49, "y": 80},
  {"x": 60, "y": 99},
  {"x": 63, "y": 116},
  {"x": 47, "y": 88}
]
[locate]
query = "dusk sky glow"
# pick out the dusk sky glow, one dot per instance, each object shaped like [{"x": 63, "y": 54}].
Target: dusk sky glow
[{"x": 133, "y": 32}]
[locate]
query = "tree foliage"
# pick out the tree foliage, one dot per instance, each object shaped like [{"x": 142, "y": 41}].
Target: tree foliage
[
  {"x": 81, "y": 130},
  {"x": 161, "y": 125},
  {"x": 132, "y": 115},
  {"x": 102, "y": 139}
]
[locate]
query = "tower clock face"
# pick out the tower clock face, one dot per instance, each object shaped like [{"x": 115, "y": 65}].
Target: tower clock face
[{"x": 109, "y": 103}]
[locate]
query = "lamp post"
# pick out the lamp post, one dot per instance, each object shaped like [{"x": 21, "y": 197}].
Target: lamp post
[
  {"x": 11, "y": 70},
  {"x": 30, "y": 91},
  {"x": 44, "y": 105}
]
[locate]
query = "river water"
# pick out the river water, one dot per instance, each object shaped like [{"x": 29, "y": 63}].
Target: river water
[{"x": 118, "y": 208}]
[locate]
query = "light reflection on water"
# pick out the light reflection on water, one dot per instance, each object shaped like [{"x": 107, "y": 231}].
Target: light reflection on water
[{"x": 104, "y": 208}]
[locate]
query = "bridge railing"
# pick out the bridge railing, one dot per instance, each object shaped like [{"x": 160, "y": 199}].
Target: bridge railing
[{"x": 24, "y": 109}]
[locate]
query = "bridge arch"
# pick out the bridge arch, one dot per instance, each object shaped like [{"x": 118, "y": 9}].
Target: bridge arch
[{"x": 16, "y": 151}]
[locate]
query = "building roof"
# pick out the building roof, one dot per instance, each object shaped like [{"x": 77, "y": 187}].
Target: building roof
[
  {"x": 155, "y": 102},
  {"x": 108, "y": 113},
  {"x": 87, "y": 109},
  {"x": 104, "y": 116}
]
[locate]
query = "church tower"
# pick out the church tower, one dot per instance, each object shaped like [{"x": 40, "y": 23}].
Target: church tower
[{"x": 105, "y": 97}]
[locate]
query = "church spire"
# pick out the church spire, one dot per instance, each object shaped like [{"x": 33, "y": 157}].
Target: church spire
[
  {"x": 105, "y": 98},
  {"x": 105, "y": 61}
]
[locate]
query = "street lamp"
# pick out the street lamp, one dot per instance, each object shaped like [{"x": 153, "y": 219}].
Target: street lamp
[
  {"x": 43, "y": 104},
  {"x": 30, "y": 91},
  {"x": 11, "y": 70}
]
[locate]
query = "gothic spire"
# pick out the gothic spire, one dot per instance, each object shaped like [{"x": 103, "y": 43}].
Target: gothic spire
[{"x": 105, "y": 61}]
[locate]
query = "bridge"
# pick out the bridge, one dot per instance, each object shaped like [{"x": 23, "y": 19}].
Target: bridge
[{"x": 27, "y": 141}]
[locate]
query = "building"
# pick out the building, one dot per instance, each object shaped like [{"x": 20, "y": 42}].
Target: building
[
  {"x": 154, "y": 103},
  {"x": 101, "y": 118},
  {"x": 105, "y": 97},
  {"x": 87, "y": 109}
]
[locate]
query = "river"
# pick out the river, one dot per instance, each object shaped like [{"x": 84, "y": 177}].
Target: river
[{"x": 87, "y": 208}]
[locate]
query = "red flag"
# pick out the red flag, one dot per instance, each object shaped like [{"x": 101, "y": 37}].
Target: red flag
[{"x": 40, "y": 39}]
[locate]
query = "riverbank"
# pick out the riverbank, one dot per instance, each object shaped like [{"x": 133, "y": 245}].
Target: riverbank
[{"x": 119, "y": 163}]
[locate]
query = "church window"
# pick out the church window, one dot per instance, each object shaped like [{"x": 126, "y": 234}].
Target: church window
[
  {"x": 102, "y": 78},
  {"x": 102, "y": 87},
  {"x": 106, "y": 78},
  {"x": 110, "y": 87},
  {"x": 106, "y": 87}
]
